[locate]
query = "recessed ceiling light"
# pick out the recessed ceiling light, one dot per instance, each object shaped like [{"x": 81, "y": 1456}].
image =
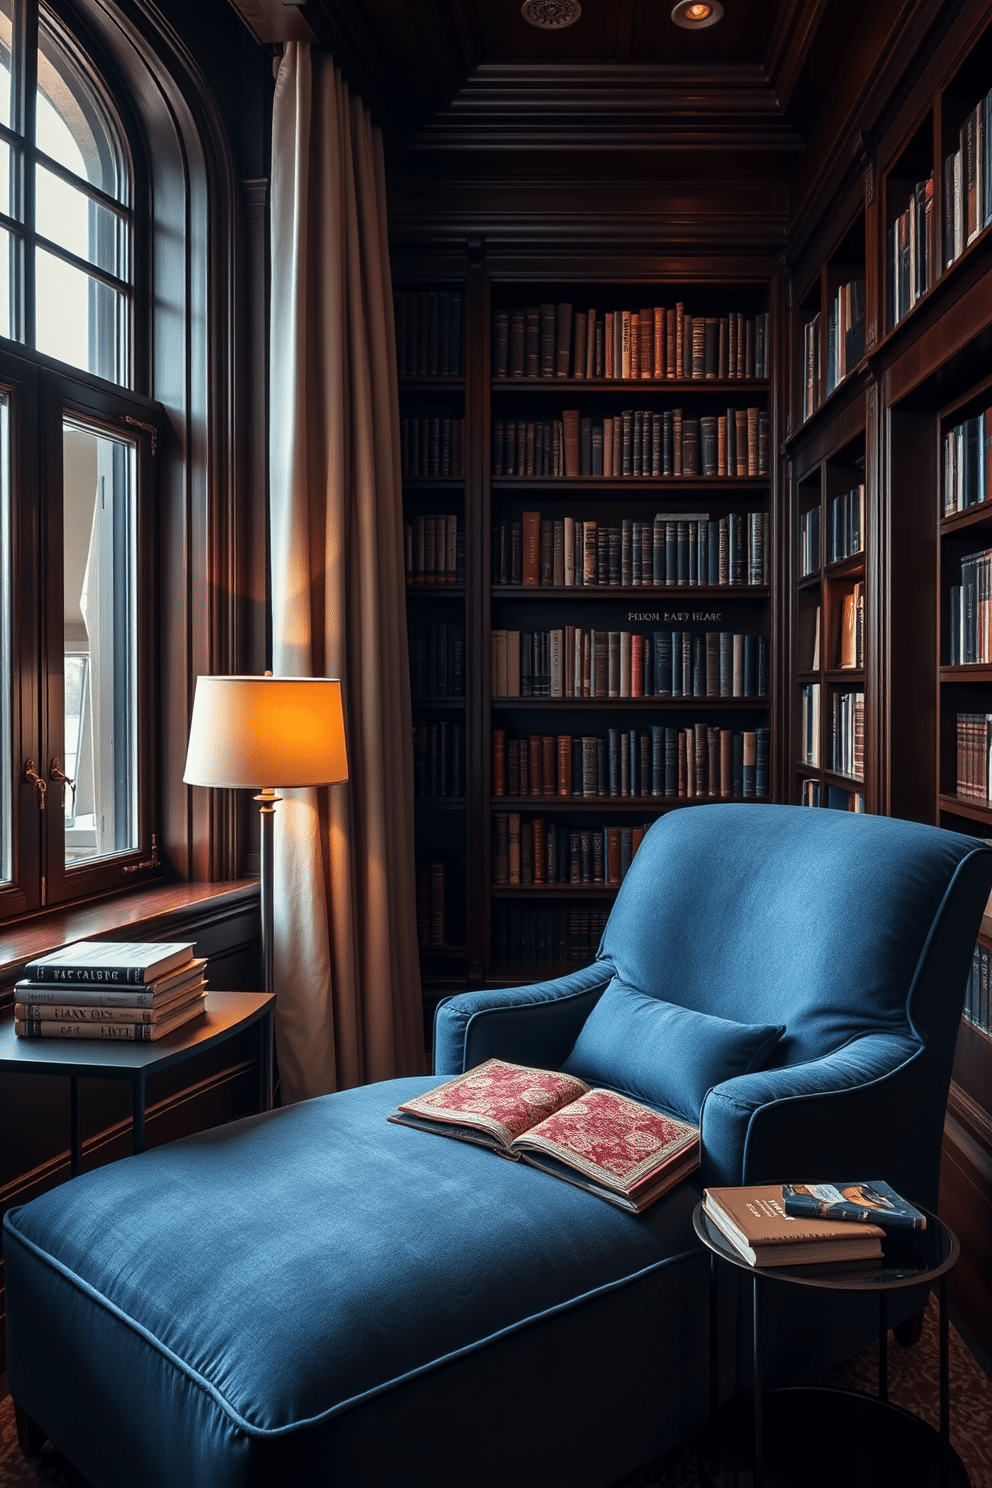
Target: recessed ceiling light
[
  {"x": 551, "y": 15},
  {"x": 695, "y": 17}
]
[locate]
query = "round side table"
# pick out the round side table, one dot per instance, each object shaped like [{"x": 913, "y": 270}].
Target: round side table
[{"x": 816, "y": 1437}]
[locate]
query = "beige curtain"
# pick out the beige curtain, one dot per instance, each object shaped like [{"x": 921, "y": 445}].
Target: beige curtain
[{"x": 347, "y": 975}]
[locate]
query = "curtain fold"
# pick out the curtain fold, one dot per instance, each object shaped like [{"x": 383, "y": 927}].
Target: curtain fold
[{"x": 347, "y": 976}]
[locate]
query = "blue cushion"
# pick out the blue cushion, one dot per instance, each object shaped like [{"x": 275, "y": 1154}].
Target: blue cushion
[{"x": 665, "y": 1054}]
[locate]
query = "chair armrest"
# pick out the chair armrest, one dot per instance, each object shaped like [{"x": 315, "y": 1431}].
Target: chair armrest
[
  {"x": 527, "y": 1025},
  {"x": 829, "y": 1119}
]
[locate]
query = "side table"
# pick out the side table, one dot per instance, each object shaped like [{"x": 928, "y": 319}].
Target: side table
[
  {"x": 816, "y": 1437},
  {"x": 226, "y": 1014}
]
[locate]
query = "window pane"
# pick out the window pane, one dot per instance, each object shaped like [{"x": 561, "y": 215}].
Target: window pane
[
  {"x": 6, "y": 33},
  {"x": 101, "y": 756},
  {"x": 68, "y": 217},
  {"x": 7, "y": 288},
  {"x": 79, "y": 320},
  {"x": 6, "y": 690},
  {"x": 73, "y": 127}
]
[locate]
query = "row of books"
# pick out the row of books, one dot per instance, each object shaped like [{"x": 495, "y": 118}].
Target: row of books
[
  {"x": 556, "y": 340},
  {"x": 845, "y": 331},
  {"x": 533, "y": 850},
  {"x": 851, "y": 648},
  {"x": 847, "y": 733},
  {"x": 577, "y": 663},
  {"x": 976, "y": 997},
  {"x": 429, "y": 887},
  {"x": 434, "y": 549},
  {"x": 699, "y": 760},
  {"x": 847, "y": 525},
  {"x": 432, "y": 446},
  {"x": 968, "y": 181},
  {"x": 621, "y": 764},
  {"x": 110, "y": 990},
  {"x": 547, "y": 932},
  {"x": 811, "y": 793},
  {"x": 676, "y": 548},
  {"x": 437, "y": 661},
  {"x": 428, "y": 333},
  {"x": 970, "y": 612},
  {"x": 638, "y": 442},
  {"x": 438, "y": 759},
  {"x": 846, "y": 744},
  {"x": 912, "y": 247},
  {"x": 968, "y": 463},
  {"x": 974, "y": 755}
]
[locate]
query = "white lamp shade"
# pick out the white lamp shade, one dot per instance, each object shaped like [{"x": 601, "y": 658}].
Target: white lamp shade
[{"x": 264, "y": 732}]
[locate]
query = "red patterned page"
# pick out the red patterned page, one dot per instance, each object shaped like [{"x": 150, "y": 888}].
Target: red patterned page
[
  {"x": 502, "y": 1099},
  {"x": 611, "y": 1139}
]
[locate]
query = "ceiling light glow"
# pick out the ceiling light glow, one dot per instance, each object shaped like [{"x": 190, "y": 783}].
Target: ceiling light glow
[{"x": 696, "y": 16}]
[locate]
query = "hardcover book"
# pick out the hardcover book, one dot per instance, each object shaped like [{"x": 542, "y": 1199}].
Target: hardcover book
[
  {"x": 615, "y": 1148},
  {"x": 865, "y": 1202},
  {"x": 110, "y": 961},
  {"x": 754, "y": 1220}
]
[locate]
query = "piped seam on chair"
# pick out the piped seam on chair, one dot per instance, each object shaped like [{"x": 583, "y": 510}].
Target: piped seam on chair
[
  {"x": 515, "y": 1009},
  {"x": 932, "y": 932},
  {"x": 270, "y": 1432},
  {"x": 755, "y": 1106}
]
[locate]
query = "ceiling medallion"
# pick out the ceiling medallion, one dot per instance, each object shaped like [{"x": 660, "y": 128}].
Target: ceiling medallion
[
  {"x": 695, "y": 17},
  {"x": 551, "y": 15}
]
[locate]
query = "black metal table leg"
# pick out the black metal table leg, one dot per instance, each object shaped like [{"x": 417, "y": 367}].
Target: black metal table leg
[
  {"x": 945, "y": 1387},
  {"x": 758, "y": 1390}
]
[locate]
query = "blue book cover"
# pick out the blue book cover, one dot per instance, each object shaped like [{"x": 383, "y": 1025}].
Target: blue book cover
[{"x": 867, "y": 1202}]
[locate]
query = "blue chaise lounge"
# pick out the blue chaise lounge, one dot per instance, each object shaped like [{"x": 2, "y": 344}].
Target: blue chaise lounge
[{"x": 318, "y": 1296}]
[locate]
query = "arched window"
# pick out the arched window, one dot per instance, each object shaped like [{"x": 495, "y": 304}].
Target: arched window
[{"x": 77, "y": 501}]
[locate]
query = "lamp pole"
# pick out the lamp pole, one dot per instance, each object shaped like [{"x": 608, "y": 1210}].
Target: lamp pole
[{"x": 267, "y": 799}]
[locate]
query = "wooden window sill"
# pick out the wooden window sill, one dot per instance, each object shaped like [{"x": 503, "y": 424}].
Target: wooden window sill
[{"x": 155, "y": 913}]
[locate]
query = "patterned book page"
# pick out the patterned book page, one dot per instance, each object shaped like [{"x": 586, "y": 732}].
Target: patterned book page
[
  {"x": 612, "y": 1139},
  {"x": 502, "y": 1099}
]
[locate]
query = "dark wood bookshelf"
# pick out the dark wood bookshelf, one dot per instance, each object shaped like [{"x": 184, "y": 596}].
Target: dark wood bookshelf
[{"x": 627, "y": 385}]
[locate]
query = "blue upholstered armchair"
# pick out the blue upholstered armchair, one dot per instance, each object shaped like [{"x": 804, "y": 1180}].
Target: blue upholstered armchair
[{"x": 319, "y": 1296}]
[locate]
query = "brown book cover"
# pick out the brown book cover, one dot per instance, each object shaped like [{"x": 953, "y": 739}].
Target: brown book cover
[
  {"x": 535, "y": 760},
  {"x": 501, "y": 847},
  {"x": 671, "y": 342},
  {"x": 732, "y": 345},
  {"x": 564, "y": 764},
  {"x": 601, "y": 1141},
  {"x": 68, "y": 1011},
  {"x": 646, "y": 334},
  {"x": 527, "y": 849},
  {"x": 590, "y": 351},
  {"x": 573, "y": 459},
  {"x": 513, "y": 846},
  {"x": 548, "y": 772},
  {"x": 740, "y": 439},
  {"x": 608, "y": 368},
  {"x": 132, "y": 1031},
  {"x": 580, "y": 319},
  {"x": 635, "y": 345},
  {"x": 563, "y": 340},
  {"x": 626, "y": 330},
  {"x": 726, "y": 762},
  {"x": 530, "y": 532},
  {"x": 659, "y": 357},
  {"x": 754, "y": 1220},
  {"x": 613, "y": 855},
  {"x": 752, "y": 441},
  {"x": 540, "y": 848},
  {"x": 499, "y": 762}
]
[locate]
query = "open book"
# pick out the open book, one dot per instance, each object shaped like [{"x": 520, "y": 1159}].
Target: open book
[{"x": 616, "y": 1148}]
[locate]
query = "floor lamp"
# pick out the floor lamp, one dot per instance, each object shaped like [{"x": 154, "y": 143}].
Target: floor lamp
[{"x": 285, "y": 731}]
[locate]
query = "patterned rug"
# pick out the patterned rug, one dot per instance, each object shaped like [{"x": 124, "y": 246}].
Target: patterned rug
[{"x": 912, "y": 1383}]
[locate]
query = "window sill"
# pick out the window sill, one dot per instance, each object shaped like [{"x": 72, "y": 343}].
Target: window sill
[{"x": 153, "y": 913}]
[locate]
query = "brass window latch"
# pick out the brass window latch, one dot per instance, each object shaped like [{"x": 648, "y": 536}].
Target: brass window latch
[
  {"x": 40, "y": 786},
  {"x": 153, "y": 862},
  {"x": 57, "y": 773}
]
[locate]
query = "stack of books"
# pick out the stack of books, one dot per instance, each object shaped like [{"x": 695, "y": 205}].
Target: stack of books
[
  {"x": 795, "y": 1224},
  {"x": 110, "y": 990}
]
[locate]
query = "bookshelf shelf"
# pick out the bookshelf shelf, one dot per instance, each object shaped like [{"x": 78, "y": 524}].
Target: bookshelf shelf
[
  {"x": 606, "y": 592},
  {"x": 627, "y": 484},
  {"x": 668, "y": 704},
  {"x": 435, "y": 591},
  {"x": 702, "y": 385},
  {"x": 555, "y": 891},
  {"x": 431, "y": 384},
  {"x": 974, "y": 810},
  {"x": 439, "y": 803},
  {"x": 433, "y": 482}
]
